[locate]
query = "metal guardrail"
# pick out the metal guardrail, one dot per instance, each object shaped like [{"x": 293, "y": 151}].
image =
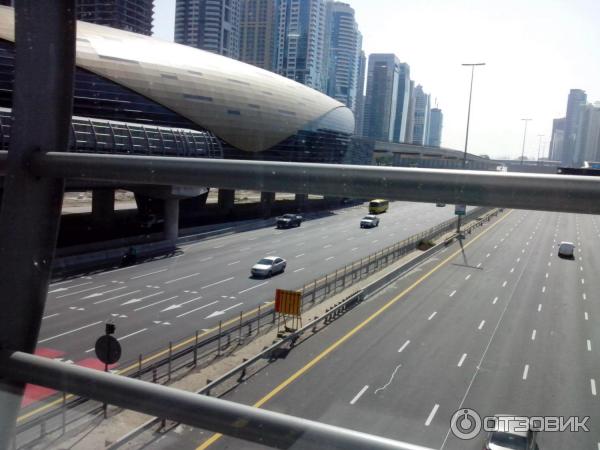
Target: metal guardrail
[{"x": 182, "y": 358}]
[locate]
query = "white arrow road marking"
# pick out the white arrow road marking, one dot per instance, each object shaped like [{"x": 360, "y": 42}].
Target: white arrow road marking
[
  {"x": 82, "y": 291},
  {"x": 155, "y": 303},
  {"x": 68, "y": 287},
  {"x": 75, "y": 308},
  {"x": 137, "y": 300},
  {"x": 116, "y": 297},
  {"x": 218, "y": 282},
  {"x": 169, "y": 308},
  {"x": 148, "y": 274},
  {"x": 220, "y": 313},
  {"x": 98, "y": 294},
  {"x": 198, "y": 309}
]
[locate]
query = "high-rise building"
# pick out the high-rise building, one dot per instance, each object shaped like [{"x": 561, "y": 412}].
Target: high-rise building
[
  {"x": 557, "y": 139},
  {"x": 436, "y": 119},
  {"x": 381, "y": 99},
  {"x": 212, "y": 25},
  {"x": 257, "y": 32},
  {"x": 410, "y": 121},
  {"x": 300, "y": 42},
  {"x": 359, "y": 114},
  {"x": 343, "y": 42},
  {"x": 588, "y": 134},
  {"x": 577, "y": 99},
  {"x": 402, "y": 103},
  {"x": 128, "y": 15},
  {"x": 421, "y": 117}
]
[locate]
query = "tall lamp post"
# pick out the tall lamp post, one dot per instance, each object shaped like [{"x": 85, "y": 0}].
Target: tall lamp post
[
  {"x": 464, "y": 164},
  {"x": 540, "y": 136},
  {"x": 524, "y": 138}
]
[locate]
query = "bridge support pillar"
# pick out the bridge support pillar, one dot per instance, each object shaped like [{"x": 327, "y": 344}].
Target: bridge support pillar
[
  {"x": 103, "y": 206},
  {"x": 226, "y": 199},
  {"x": 171, "y": 220},
  {"x": 301, "y": 201},
  {"x": 266, "y": 203}
]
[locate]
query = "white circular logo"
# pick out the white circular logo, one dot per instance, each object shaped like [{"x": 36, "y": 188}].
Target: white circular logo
[{"x": 465, "y": 424}]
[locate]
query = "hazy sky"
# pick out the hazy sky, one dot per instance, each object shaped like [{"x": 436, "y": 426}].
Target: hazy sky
[{"x": 535, "y": 50}]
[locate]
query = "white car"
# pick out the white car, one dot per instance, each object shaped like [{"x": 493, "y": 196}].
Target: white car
[
  {"x": 369, "y": 221},
  {"x": 566, "y": 250},
  {"x": 268, "y": 266}
]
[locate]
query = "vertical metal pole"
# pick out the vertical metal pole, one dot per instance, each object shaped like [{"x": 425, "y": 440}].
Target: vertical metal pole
[
  {"x": 196, "y": 349},
  {"x": 64, "y": 412},
  {"x": 258, "y": 322},
  {"x": 240, "y": 330},
  {"x": 219, "y": 340},
  {"x": 170, "y": 356},
  {"x": 140, "y": 366},
  {"x": 42, "y": 105}
]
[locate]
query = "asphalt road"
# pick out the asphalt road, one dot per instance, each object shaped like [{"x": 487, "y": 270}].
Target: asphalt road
[
  {"x": 169, "y": 299},
  {"x": 504, "y": 328}
]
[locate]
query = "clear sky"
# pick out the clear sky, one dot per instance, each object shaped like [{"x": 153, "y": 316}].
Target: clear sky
[{"x": 535, "y": 51}]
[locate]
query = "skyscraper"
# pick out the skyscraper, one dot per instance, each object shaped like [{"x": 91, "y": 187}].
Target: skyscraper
[
  {"x": 212, "y": 25},
  {"x": 421, "y": 118},
  {"x": 402, "y": 101},
  {"x": 436, "y": 119},
  {"x": 381, "y": 99},
  {"x": 300, "y": 43},
  {"x": 343, "y": 42},
  {"x": 557, "y": 139},
  {"x": 588, "y": 134},
  {"x": 410, "y": 120},
  {"x": 257, "y": 32},
  {"x": 359, "y": 114},
  {"x": 577, "y": 99},
  {"x": 129, "y": 15}
]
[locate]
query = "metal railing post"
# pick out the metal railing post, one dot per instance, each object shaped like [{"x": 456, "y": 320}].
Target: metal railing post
[
  {"x": 170, "y": 358},
  {"x": 219, "y": 340},
  {"x": 140, "y": 366},
  {"x": 258, "y": 322},
  {"x": 196, "y": 349},
  {"x": 31, "y": 206}
]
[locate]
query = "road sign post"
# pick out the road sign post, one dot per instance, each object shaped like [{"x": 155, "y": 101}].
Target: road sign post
[{"x": 108, "y": 350}]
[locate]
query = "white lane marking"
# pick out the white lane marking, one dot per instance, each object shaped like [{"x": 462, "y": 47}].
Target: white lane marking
[
  {"x": 518, "y": 260},
  {"x": 197, "y": 309},
  {"x": 432, "y": 316},
  {"x": 581, "y": 268},
  {"x": 549, "y": 264},
  {"x": 512, "y": 270},
  {"x": 182, "y": 278},
  {"x": 66, "y": 281},
  {"x": 467, "y": 277},
  {"x": 462, "y": 360},
  {"x": 116, "y": 297},
  {"x": 300, "y": 255},
  {"x": 253, "y": 287},
  {"x": 360, "y": 393},
  {"x": 389, "y": 381},
  {"x": 481, "y": 325},
  {"x": 148, "y": 274},
  {"x": 589, "y": 345},
  {"x": 533, "y": 333},
  {"x": 431, "y": 415},
  {"x": 478, "y": 265},
  {"x": 51, "y": 315},
  {"x": 525, "y": 371},
  {"x": 330, "y": 258},
  {"x": 354, "y": 249},
  {"x": 69, "y": 287},
  {"x": 593, "y": 386},
  {"x": 375, "y": 241},
  {"x": 583, "y": 281},
  {"x": 547, "y": 274},
  {"x": 495, "y": 300},
  {"x": 328, "y": 246},
  {"x": 156, "y": 303},
  {"x": 403, "y": 346},
  {"x": 234, "y": 263},
  {"x": 504, "y": 284},
  {"x": 82, "y": 291},
  {"x": 585, "y": 315},
  {"x": 299, "y": 270},
  {"x": 540, "y": 307},
  {"x": 132, "y": 334},
  {"x": 543, "y": 289},
  {"x": 487, "y": 256},
  {"x": 452, "y": 293},
  {"x": 219, "y": 246},
  {"x": 223, "y": 311},
  {"x": 99, "y": 294},
  {"x": 179, "y": 305},
  {"x": 137, "y": 300},
  {"x": 218, "y": 282},
  {"x": 584, "y": 296},
  {"x": 69, "y": 332},
  {"x": 209, "y": 258}
]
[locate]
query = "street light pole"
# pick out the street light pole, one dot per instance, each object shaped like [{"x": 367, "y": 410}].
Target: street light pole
[
  {"x": 464, "y": 164},
  {"x": 540, "y": 136},
  {"x": 524, "y": 138}
]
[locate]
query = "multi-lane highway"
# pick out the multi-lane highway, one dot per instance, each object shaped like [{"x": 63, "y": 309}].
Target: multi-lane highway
[
  {"x": 169, "y": 299},
  {"x": 504, "y": 328}
]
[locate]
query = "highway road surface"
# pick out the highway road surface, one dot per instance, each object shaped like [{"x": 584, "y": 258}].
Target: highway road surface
[
  {"x": 169, "y": 299},
  {"x": 504, "y": 328}
]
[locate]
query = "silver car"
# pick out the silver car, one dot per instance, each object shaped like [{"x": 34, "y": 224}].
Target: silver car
[
  {"x": 510, "y": 433},
  {"x": 268, "y": 266},
  {"x": 369, "y": 221}
]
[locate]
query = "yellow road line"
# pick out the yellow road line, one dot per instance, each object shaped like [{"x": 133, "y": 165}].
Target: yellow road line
[
  {"x": 160, "y": 353},
  {"x": 215, "y": 437}
]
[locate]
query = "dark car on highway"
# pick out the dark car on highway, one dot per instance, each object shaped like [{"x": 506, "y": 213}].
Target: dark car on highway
[{"x": 289, "y": 221}]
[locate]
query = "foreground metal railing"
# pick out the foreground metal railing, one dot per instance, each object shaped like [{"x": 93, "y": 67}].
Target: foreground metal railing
[{"x": 35, "y": 174}]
